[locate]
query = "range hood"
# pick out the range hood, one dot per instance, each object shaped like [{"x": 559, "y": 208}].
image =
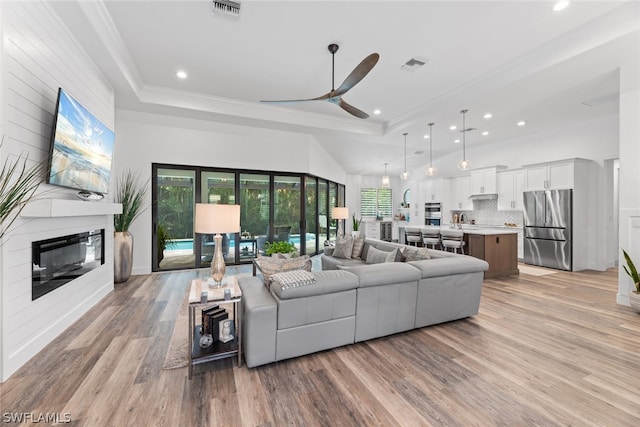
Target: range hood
[{"x": 483, "y": 196}]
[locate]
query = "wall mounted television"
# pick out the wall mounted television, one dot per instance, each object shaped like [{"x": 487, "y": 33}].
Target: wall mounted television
[{"x": 81, "y": 148}]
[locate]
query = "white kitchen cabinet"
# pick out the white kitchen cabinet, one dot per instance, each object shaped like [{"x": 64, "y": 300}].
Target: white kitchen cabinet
[
  {"x": 460, "y": 194},
  {"x": 434, "y": 190},
  {"x": 483, "y": 181},
  {"x": 371, "y": 229},
  {"x": 510, "y": 189},
  {"x": 550, "y": 176}
]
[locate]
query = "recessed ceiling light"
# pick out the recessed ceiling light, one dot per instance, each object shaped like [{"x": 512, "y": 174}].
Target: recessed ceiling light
[
  {"x": 452, "y": 127},
  {"x": 457, "y": 141},
  {"x": 488, "y": 116},
  {"x": 522, "y": 123},
  {"x": 426, "y": 136},
  {"x": 560, "y": 5},
  {"x": 181, "y": 74},
  {"x": 485, "y": 133},
  {"x": 376, "y": 112}
]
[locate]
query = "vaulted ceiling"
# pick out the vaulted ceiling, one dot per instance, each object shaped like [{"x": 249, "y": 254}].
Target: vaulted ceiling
[{"x": 518, "y": 60}]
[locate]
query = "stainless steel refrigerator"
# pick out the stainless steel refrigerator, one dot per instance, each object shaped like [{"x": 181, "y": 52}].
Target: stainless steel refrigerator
[{"x": 548, "y": 228}]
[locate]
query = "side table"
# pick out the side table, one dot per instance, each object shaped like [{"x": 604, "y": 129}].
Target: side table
[{"x": 218, "y": 350}]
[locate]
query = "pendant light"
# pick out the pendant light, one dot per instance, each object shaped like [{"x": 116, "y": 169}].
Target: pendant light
[
  {"x": 463, "y": 165},
  {"x": 431, "y": 170},
  {"x": 385, "y": 178},
  {"x": 405, "y": 175}
]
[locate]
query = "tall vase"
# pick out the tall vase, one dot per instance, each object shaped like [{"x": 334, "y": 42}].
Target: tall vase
[
  {"x": 634, "y": 299},
  {"x": 122, "y": 256}
]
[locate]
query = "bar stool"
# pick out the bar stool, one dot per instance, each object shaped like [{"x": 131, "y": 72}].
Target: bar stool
[
  {"x": 413, "y": 236},
  {"x": 431, "y": 237},
  {"x": 452, "y": 239}
]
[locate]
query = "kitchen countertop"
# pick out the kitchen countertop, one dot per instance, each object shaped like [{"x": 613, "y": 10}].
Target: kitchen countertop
[{"x": 487, "y": 230}]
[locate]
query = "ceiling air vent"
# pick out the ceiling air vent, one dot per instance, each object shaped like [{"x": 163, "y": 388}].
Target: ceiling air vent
[
  {"x": 414, "y": 63},
  {"x": 226, "y": 9}
]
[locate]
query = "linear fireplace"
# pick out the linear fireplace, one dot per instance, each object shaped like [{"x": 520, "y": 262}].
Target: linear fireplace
[{"x": 60, "y": 260}]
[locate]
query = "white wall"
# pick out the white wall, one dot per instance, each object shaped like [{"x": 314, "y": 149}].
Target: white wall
[
  {"x": 39, "y": 55},
  {"x": 629, "y": 200},
  {"x": 143, "y": 139}
]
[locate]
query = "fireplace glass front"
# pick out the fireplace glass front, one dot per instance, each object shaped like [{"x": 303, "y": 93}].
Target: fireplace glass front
[{"x": 60, "y": 260}]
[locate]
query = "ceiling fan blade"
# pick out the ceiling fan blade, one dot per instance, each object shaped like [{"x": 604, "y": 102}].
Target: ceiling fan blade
[
  {"x": 352, "y": 110},
  {"x": 357, "y": 74},
  {"x": 283, "y": 101}
]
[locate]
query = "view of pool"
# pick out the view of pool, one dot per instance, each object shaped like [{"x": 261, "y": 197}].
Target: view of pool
[{"x": 187, "y": 244}]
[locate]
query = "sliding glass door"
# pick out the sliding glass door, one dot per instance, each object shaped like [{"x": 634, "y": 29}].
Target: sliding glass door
[
  {"x": 174, "y": 191},
  {"x": 274, "y": 207}
]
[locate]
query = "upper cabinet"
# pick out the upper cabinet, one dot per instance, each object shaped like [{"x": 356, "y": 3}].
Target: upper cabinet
[
  {"x": 434, "y": 190},
  {"x": 460, "y": 194},
  {"x": 484, "y": 181},
  {"x": 550, "y": 176},
  {"x": 510, "y": 189}
]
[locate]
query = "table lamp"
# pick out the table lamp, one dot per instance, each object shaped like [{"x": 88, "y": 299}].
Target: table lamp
[
  {"x": 216, "y": 219},
  {"x": 340, "y": 214}
]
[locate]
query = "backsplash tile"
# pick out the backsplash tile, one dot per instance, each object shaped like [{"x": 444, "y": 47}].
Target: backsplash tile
[{"x": 485, "y": 212}]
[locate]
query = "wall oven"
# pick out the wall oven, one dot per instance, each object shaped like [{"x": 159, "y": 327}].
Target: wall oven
[{"x": 432, "y": 213}]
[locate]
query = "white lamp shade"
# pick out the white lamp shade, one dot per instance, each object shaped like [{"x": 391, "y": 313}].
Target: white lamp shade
[
  {"x": 215, "y": 219},
  {"x": 340, "y": 213}
]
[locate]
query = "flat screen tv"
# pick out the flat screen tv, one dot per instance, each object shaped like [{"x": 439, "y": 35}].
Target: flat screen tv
[{"x": 81, "y": 148}]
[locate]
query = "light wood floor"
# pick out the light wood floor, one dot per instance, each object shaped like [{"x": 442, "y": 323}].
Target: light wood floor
[{"x": 543, "y": 351}]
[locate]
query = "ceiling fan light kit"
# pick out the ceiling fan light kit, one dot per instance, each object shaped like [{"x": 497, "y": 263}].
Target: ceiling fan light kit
[{"x": 335, "y": 95}]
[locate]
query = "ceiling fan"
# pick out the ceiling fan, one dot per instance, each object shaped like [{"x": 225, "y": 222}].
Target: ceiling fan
[{"x": 335, "y": 95}]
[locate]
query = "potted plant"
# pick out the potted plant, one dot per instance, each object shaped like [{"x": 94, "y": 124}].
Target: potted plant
[
  {"x": 131, "y": 194},
  {"x": 164, "y": 238},
  {"x": 18, "y": 184},
  {"x": 630, "y": 269},
  {"x": 356, "y": 225},
  {"x": 281, "y": 247}
]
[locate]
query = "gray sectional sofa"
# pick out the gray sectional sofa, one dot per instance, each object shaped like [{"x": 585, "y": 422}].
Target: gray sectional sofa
[{"x": 356, "y": 303}]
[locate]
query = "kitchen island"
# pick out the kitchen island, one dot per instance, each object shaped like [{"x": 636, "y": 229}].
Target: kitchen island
[{"x": 499, "y": 247}]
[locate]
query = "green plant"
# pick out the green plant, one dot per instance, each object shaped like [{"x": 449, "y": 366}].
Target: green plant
[
  {"x": 631, "y": 270},
  {"x": 131, "y": 194},
  {"x": 280, "y": 248},
  {"x": 18, "y": 184},
  {"x": 356, "y": 222},
  {"x": 164, "y": 238}
]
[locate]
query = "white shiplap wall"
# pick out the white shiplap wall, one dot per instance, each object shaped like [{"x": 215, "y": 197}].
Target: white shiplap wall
[{"x": 38, "y": 55}]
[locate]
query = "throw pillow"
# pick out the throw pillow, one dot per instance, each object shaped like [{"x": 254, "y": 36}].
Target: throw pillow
[
  {"x": 394, "y": 256},
  {"x": 293, "y": 279},
  {"x": 416, "y": 254},
  {"x": 343, "y": 248},
  {"x": 376, "y": 256},
  {"x": 358, "y": 245},
  {"x": 365, "y": 251},
  {"x": 272, "y": 265}
]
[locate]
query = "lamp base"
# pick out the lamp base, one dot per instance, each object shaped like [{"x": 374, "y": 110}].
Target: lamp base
[{"x": 217, "y": 263}]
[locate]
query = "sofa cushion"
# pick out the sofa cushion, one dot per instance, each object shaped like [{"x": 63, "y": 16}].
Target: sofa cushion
[
  {"x": 343, "y": 248},
  {"x": 460, "y": 264},
  {"x": 293, "y": 279},
  {"x": 384, "y": 274},
  {"x": 358, "y": 245},
  {"x": 326, "y": 282}
]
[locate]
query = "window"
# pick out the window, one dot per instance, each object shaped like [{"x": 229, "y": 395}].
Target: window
[{"x": 375, "y": 202}]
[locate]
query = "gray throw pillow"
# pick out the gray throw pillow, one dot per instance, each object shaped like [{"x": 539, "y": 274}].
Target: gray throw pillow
[
  {"x": 365, "y": 251},
  {"x": 376, "y": 256},
  {"x": 358, "y": 245},
  {"x": 343, "y": 249},
  {"x": 416, "y": 254}
]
